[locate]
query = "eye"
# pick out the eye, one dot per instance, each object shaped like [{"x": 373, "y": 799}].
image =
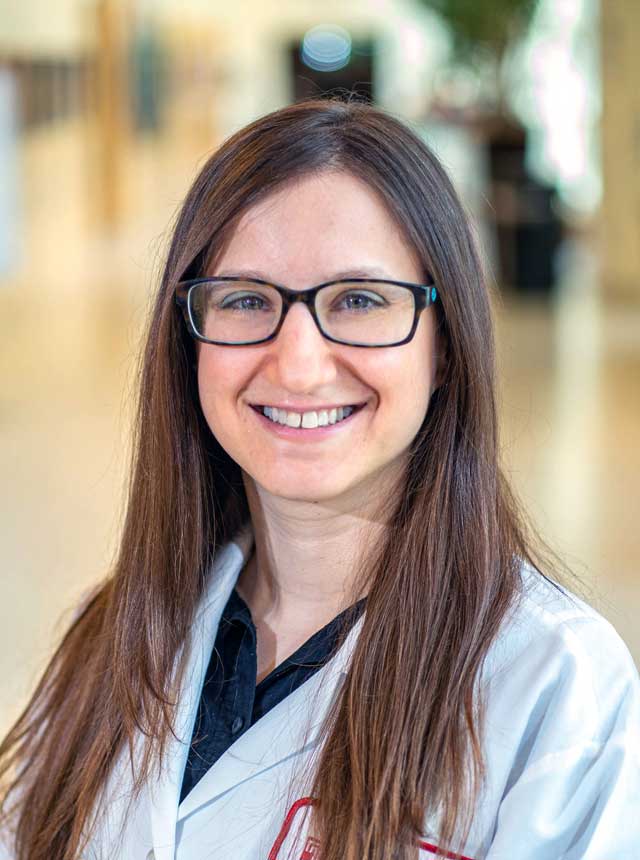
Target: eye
[
  {"x": 360, "y": 301},
  {"x": 244, "y": 302}
]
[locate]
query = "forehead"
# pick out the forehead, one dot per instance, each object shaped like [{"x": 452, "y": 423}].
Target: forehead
[{"x": 308, "y": 230}]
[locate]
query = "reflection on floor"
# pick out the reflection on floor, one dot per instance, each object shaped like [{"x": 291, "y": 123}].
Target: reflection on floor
[{"x": 73, "y": 314}]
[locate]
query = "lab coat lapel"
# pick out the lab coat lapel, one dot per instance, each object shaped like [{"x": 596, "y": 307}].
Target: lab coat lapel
[
  {"x": 291, "y": 727},
  {"x": 165, "y": 790}
]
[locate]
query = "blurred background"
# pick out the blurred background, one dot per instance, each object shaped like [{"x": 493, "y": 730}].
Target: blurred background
[{"x": 107, "y": 110}]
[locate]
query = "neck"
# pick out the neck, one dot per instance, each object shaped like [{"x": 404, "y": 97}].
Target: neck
[{"x": 307, "y": 556}]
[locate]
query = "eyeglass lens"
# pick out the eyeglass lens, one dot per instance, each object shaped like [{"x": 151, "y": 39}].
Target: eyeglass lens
[{"x": 372, "y": 314}]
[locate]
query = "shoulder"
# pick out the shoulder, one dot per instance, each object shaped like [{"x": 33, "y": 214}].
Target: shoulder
[
  {"x": 557, "y": 655},
  {"x": 561, "y": 731}
]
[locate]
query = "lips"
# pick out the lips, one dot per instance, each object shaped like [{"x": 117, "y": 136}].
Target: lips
[
  {"x": 300, "y": 411},
  {"x": 354, "y": 408}
]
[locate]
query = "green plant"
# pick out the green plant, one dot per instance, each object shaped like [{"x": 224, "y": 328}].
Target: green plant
[{"x": 483, "y": 29}]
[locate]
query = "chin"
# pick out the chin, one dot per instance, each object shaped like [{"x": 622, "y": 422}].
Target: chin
[{"x": 298, "y": 489}]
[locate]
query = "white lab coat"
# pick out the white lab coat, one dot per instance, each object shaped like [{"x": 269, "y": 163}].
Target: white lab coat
[{"x": 562, "y": 748}]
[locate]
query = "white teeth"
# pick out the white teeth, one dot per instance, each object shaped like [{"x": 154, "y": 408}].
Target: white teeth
[{"x": 308, "y": 420}]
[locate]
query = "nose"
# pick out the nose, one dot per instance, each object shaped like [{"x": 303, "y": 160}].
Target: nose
[{"x": 303, "y": 360}]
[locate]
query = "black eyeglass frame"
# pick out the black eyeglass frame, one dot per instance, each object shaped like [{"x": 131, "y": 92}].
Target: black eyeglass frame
[{"x": 423, "y": 296}]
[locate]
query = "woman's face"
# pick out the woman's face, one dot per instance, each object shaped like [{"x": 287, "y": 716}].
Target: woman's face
[{"x": 313, "y": 231}]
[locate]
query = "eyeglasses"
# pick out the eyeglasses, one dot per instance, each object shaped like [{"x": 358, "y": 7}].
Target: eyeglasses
[{"x": 366, "y": 312}]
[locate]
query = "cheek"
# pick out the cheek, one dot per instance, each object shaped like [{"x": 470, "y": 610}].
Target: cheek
[
  {"x": 406, "y": 375},
  {"x": 424, "y": 359},
  {"x": 209, "y": 379},
  {"x": 220, "y": 379}
]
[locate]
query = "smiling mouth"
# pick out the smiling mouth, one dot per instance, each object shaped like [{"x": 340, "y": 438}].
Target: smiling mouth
[{"x": 310, "y": 419}]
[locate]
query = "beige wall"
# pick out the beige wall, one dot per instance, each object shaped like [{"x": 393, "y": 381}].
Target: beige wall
[
  {"x": 620, "y": 213},
  {"x": 32, "y": 27}
]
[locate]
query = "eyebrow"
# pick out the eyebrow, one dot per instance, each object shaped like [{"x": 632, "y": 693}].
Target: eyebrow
[{"x": 344, "y": 275}]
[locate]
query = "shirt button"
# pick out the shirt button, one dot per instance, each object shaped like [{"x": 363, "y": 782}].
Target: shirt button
[{"x": 236, "y": 725}]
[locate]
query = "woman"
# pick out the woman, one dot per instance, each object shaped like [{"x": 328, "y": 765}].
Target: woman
[{"x": 327, "y": 633}]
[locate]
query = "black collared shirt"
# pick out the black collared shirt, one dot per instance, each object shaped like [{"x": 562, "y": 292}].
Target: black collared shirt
[{"x": 231, "y": 702}]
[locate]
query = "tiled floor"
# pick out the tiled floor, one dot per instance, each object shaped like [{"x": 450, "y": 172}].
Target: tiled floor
[{"x": 72, "y": 318}]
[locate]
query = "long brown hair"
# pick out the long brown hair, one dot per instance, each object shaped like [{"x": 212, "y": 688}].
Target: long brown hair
[{"x": 403, "y": 740}]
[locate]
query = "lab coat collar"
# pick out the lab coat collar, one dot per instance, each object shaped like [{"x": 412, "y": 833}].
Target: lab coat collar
[
  {"x": 293, "y": 726},
  {"x": 165, "y": 790},
  {"x": 286, "y": 730}
]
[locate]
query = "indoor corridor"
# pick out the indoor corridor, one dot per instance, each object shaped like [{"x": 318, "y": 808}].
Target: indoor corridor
[{"x": 74, "y": 312}]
